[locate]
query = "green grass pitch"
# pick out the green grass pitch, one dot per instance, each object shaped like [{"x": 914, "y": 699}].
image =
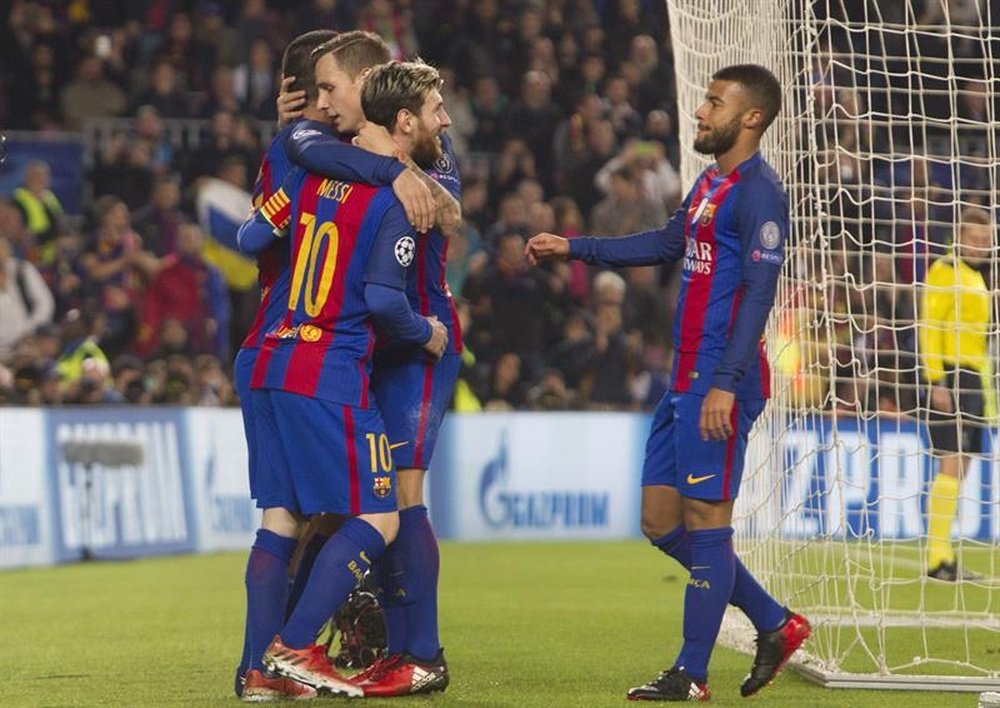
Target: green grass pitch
[{"x": 571, "y": 624}]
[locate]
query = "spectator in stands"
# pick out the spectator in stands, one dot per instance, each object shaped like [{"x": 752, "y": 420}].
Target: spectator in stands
[
  {"x": 624, "y": 118},
  {"x": 125, "y": 170},
  {"x": 505, "y": 305},
  {"x": 513, "y": 217},
  {"x": 149, "y": 129},
  {"x": 25, "y": 299},
  {"x": 459, "y": 103},
  {"x": 508, "y": 390},
  {"x": 571, "y": 135},
  {"x": 90, "y": 95},
  {"x": 626, "y": 209},
  {"x": 115, "y": 267},
  {"x": 37, "y": 90},
  {"x": 84, "y": 371},
  {"x": 658, "y": 179},
  {"x": 582, "y": 170},
  {"x": 660, "y": 127},
  {"x": 164, "y": 92},
  {"x": 613, "y": 366},
  {"x": 489, "y": 108},
  {"x": 220, "y": 143},
  {"x": 64, "y": 275},
  {"x": 534, "y": 119},
  {"x": 160, "y": 220},
  {"x": 191, "y": 291},
  {"x": 393, "y": 22},
  {"x": 13, "y": 227},
  {"x": 193, "y": 59},
  {"x": 656, "y": 78},
  {"x": 552, "y": 393},
  {"x": 43, "y": 214},
  {"x": 252, "y": 82},
  {"x": 213, "y": 30},
  {"x": 515, "y": 163}
]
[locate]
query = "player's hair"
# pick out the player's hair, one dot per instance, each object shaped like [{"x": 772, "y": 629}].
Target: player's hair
[
  {"x": 298, "y": 61},
  {"x": 760, "y": 85},
  {"x": 395, "y": 86},
  {"x": 355, "y": 51}
]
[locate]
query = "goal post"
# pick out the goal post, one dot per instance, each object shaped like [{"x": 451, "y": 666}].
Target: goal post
[{"x": 888, "y": 133}]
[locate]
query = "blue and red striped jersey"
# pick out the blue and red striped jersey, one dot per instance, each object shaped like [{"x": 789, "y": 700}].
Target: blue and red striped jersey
[
  {"x": 341, "y": 235},
  {"x": 730, "y": 232},
  {"x": 427, "y": 286},
  {"x": 272, "y": 262},
  {"x": 314, "y": 146}
]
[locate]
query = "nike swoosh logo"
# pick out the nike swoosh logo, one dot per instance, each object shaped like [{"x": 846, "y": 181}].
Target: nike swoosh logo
[
  {"x": 696, "y": 480},
  {"x": 393, "y": 446}
]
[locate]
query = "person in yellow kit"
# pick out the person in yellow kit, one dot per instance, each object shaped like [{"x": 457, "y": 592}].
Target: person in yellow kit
[
  {"x": 953, "y": 323},
  {"x": 42, "y": 211}
]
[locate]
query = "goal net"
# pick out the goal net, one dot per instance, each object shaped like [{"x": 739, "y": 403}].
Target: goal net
[{"x": 887, "y": 136}]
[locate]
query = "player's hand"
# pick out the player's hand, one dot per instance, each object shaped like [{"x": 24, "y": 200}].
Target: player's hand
[
  {"x": 546, "y": 247},
  {"x": 375, "y": 138},
  {"x": 435, "y": 346},
  {"x": 715, "y": 423},
  {"x": 289, "y": 103},
  {"x": 416, "y": 198},
  {"x": 941, "y": 399}
]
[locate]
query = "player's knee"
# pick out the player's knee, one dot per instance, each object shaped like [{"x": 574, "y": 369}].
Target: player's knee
[
  {"x": 654, "y": 526},
  {"x": 386, "y": 523},
  {"x": 410, "y": 487},
  {"x": 281, "y": 521}
]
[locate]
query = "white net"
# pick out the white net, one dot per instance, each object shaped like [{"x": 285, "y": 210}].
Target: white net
[{"x": 887, "y": 136}]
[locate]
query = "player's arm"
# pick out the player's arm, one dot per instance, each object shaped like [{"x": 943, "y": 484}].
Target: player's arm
[
  {"x": 661, "y": 245},
  {"x": 317, "y": 150},
  {"x": 447, "y": 208},
  {"x": 934, "y": 317},
  {"x": 385, "y": 285},
  {"x": 763, "y": 222},
  {"x": 271, "y": 221},
  {"x": 934, "y": 320}
]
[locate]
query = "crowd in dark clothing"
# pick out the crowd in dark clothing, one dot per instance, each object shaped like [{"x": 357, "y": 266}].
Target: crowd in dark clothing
[{"x": 564, "y": 121}]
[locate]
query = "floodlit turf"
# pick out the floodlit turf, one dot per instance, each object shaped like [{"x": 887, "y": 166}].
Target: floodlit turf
[{"x": 524, "y": 625}]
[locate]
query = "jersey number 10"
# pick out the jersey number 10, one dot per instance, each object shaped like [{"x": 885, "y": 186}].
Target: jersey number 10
[{"x": 304, "y": 277}]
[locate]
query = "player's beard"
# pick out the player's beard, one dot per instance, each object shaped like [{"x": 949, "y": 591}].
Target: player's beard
[
  {"x": 719, "y": 140},
  {"x": 427, "y": 148}
]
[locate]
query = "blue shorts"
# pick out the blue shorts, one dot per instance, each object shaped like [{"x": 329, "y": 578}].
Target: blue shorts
[
  {"x": 323, "y": 457},
  {"x": 413, "y": 393},
  {"x": 676, "y": 455},
  {"x": 242, "y": 371}
]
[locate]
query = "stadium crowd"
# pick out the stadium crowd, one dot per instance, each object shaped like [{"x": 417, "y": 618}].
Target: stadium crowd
[
  {"x": 565, "y": 121},
  {"x": 562, "y": 110}
]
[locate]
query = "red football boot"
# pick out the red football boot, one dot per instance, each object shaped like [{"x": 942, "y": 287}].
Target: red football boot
[
  {"x": 310, "y": 666},
  {"x": 405, "y": 676},
  {"x": 773, "y": 651},
  {"x": 258, "y": 687}
]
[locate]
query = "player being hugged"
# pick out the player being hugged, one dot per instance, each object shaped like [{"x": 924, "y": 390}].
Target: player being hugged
[
  {"x": 413, "y": 392},
  {"x": 347, "y": 242},
  {"x": 730, "y": 234}
]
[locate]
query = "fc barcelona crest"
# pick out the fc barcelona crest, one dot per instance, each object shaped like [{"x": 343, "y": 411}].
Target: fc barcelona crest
[
  {"x": 707, "y": 214},
  {"x": 382, "y": 486}
]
